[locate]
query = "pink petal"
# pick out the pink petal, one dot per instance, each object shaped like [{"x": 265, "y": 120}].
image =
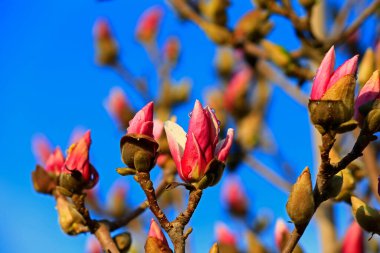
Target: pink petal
[
  {"x": 223, "y": 147},
  {"x": 192, "y": 162},
  {"x": 78, "y": 157},
  {"x": 177, "y": 140},
  {"x": 102, "y": 29},
  {"x": 41, "y": 148},
  {"x": 55, "y": 162},
  {"x": 224, "y": 235},
  {"x": 369, "y": 92},
  {"x": 323, "y": 75},
  {"x": 214, "y": 126},
  {"x": 280, "y": 230},
  {"x": 199, "y": 125},
  {"x": 147, "y": 128},
  {"x": 347, "y": 68},
  {"x": 353, "y": 241},
  {"x": 156, "y": 232},
  {"x": 233, "y": 194},
  {"x": 142, "y": 116},
  {"x": 238, "y": 85},
  {"x": 158, "y": 127}
]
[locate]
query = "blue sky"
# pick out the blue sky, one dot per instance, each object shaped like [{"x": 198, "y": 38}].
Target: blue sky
[{"x": 50, "y": 84}]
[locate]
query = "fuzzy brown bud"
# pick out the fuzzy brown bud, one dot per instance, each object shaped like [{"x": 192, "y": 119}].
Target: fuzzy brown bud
[
  {"x": 215, "y": 10},
  {"x": 43, "y": 181},
  {"x": 214, "y": 248},
  {"x": 218, "y": 34},
  {"x": 348, "y": 185},
  {"x": 277, "y": 54},
  {"x": 307, "y": 3},
  {"x": 300, "y": 205},
  {"x": 253, "y": 26},
  {"x": 71, "y": 221},
  {"x": 254, "y": 245},
  {"x": 123, "y": 242},
  {"x": 367, "y": 217}
]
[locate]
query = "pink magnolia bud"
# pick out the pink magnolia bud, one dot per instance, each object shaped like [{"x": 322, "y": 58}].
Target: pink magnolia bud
[
  {"x": 236, "y": 89},
  {"x": 172, "y": 49},
  {"x": 353, "y": 241},
  {"x": 281, "y": 231},
  {"x": 55, "y": 161},
  {"x": 93, "y": 246},
  {"x": 148, "y": 24},
  {"x": 234, "y": 196},
  {"x": 78, "y": 160},
  {"x": 326, "y": 77},
  {"x": 102, "y": 30},
  {"x": 41, "y": 148},
  {"x": 224, "y": 235},
  {"x": 142, "y": 123},
  {"x": 118, "y": 107},
  {"x": 369, "y": 93},
  {"x": 156, "y": 232},
  {"x": 158, "y": 128},
  {"x": 192, "y": 152}
]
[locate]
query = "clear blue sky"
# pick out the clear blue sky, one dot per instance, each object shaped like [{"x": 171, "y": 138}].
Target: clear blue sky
[{"x": 50, "y": 84}]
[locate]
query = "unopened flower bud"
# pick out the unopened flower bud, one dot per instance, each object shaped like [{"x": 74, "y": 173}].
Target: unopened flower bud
[
  {"x": 300, "y": 205},
  {"x": 148, "y": 24},
  {"x": 118, "y": 107},
  {"x": 156, "y": 241},
  {"x": 224, "y": 235},
  {"x": 234, "y": 197},
  {"x": 347, "y": 186},
  {"x": 214, "y": 248},
  {"x": 276, "y": 53},
  {"x": 106, "y": 47},
  {"x": 248, "y": 131},
  {"x": 367, "y": 217},
  {"x": 224, "y": 62},
  {"x": 254, "y": 244},
  {"x": 332, "y": 95},
  {"x": 217, "y": 34},
  {"x": 93, "y": 245},
  {"x": 71, "y": 221},
  {"x": 253, "y": 26},
  {"x": 215, "y": 10},
  {"x": 366, "y": 67},
  {"x": 353, "y": 241},
  {"x": 123, "y": 242},
  {"x": 172, "y": 49},
  {"x": 138, "y": 147}
]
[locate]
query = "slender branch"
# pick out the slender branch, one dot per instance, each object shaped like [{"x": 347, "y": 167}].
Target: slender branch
[
  {"x": 102, "y": 233},
  {"x": 326, "y": 172},
  {"x": 268, "y": 174},
  {"x": 138, "y": 211},
  {"x": 143, "y": 178},
  {"x": 340, "y": 37}
]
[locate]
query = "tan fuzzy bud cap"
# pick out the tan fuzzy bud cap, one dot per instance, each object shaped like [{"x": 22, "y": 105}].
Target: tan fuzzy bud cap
[
  {"x": 367, "y": 217},
  {"x": 366, "y": 67},
  {"x": 300, "y": 205}
]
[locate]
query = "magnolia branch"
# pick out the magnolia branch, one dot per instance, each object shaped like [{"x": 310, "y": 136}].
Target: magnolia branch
[{"x": 327, "y": 171}]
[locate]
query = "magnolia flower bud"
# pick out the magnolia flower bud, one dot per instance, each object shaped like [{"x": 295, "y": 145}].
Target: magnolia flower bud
[
  {"x": 214, "y": 248},
  {"x": 332, "y": 95},
  {"x": 218, "y": 34},
  {"x": 106, "y": 47},
  {"x": 366, "y": 67},
  {"x": 300, "y": 205},
  {"x": 277, "y": 54},
  {"x": 353, "y": 240},
  {"x": 71, "y": 221},
  {"x": 156, "y": 241},
  {"x": 224, "y": 61},
  {"x": 172, "y": 50},
  {"x": 215, "y": 10},
  {"x": 253, "y": 26},
  {"x": 138, "y": 147},
  {"x": 367, "y": 217},
  {"x": 148, "y": 24},
  {"x": 43, "y": 182},
  {"x": 118, "y": 107},
  {"x": 347, "y": 186},
  {"x": 41, "y": 148},
  {"x": 234, "y": 197},
  {"x": 226, "y": 239},
  {"x": 254, "y": 245}
]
